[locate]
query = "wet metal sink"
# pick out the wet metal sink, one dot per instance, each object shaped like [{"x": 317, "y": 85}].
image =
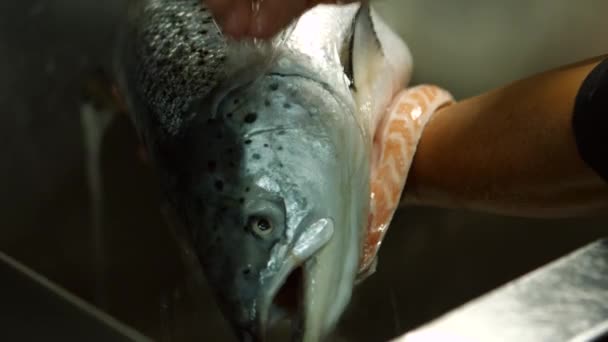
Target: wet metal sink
[
  {"x": 35, "y": 309},
  {"x": 432, "y": 261},
  {"x": 566, "y": 300}
]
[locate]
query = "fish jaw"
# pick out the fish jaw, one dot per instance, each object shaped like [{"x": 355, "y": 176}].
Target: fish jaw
[
  {"x": 327, "y": 290},
  {"x": 300, "y": 259},
  {"x": 330, "y": 276},
  {"x": 278, "y": 291}
]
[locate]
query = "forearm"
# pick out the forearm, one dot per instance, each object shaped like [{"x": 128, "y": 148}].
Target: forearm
[{"x": 510, "y": 151}]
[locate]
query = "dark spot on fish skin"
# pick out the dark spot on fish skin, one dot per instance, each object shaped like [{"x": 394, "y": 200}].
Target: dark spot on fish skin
[
  {"x": 281, "y": 165},
  {"x": 212, "y": 165},
  {"x": 266, "y": 145},
  {"x": 236, "y": 101},
  {"x": 247, "y": 270},
  {"x": 247, "y": 189},
  {"x": 229, "y": 115},
  {"x": 251, "y": 117},
  {"x": 248, "y": 141},
  {"x": 241, "y": 200},
  {"x": 274, "y": 86},
  {"x": 256, "y": 156},
  {"x": 204, "y": 32},
  {"x": 286, "y": 105},
  {"x": 219, "y": 185},
  {"x": 267, "y": 103},
  {"x": 281, "y": 133},
  {"x": 280, "y": 148}
]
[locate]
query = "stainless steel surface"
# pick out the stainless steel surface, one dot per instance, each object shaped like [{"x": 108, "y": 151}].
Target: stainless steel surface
[
  {"x": 563, "y": 301},
  {"x": 35, "y": 309},
  {"x": 432, "y": 260}
]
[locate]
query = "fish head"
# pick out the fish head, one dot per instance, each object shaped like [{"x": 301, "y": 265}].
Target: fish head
[
  {"x": 253, "y": 192},
  {"x": 275, "y": 188},
  {"x": 265, "y": 156}
]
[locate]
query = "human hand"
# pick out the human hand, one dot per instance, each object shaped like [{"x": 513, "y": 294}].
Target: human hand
[{"x": 238, "y": 18}]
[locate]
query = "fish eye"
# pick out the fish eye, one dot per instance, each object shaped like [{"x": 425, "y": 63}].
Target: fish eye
[{"x": 260, "y": 225}]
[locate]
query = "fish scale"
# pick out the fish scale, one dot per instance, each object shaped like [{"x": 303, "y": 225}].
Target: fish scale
[{"x": 177, "y": 54}]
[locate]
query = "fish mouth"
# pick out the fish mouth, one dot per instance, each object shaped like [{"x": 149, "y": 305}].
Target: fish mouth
[
  {"x": 281, "y": 306},
  {"x": 287, "y": 306},
  {"x": 285, "y": 296},
  {"x": 287, "y": 301}
]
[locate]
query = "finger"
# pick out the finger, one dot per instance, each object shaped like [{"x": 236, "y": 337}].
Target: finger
[
  {"x": 274, "y": 15},
  {"x": 233, "y": 16},
  {"x": 219, "y": 8},
  {"x": 237, "y": 21}
]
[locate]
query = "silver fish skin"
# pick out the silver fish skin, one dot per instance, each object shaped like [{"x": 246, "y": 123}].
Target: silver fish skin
[{"x": 263, "y": 151}]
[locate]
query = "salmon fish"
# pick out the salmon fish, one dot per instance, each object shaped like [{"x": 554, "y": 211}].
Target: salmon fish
[{"x": 284, "y": 161}]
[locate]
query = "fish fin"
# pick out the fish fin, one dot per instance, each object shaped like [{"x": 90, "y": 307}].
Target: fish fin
[
  {"x": 365, "y": 48},
  {"x": 381, "y": 64},
  {"x": 395, "y": 143}
]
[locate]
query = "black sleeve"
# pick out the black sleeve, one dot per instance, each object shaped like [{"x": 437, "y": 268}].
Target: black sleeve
[{"x": 590, "y": 119}]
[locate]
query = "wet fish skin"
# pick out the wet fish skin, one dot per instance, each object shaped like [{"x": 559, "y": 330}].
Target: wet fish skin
[
  {"x": 264, "y": 153},
  {"x": 169, "y": 52}
]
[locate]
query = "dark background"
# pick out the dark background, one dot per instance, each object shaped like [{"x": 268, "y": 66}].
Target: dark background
[{"x": 432, "y": 260}]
